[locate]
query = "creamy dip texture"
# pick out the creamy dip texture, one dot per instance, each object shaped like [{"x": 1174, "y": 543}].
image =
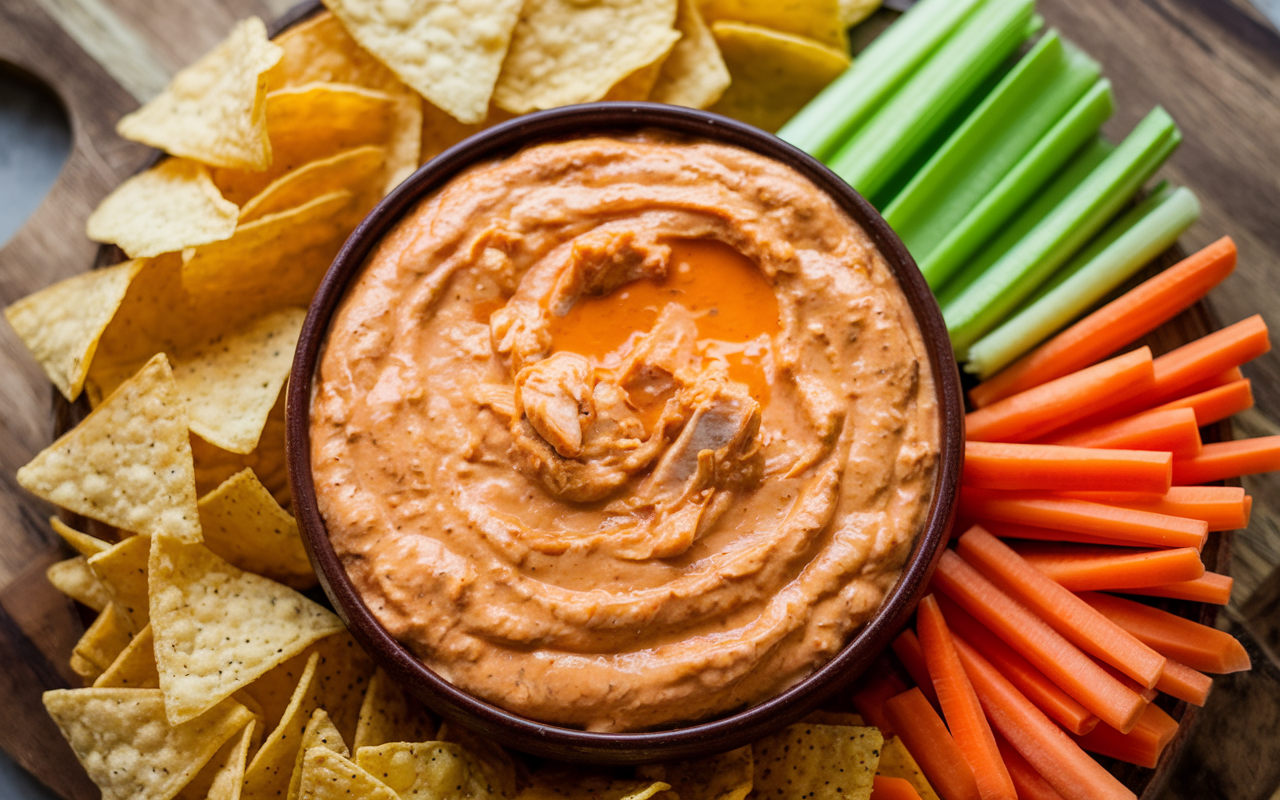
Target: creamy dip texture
[{"x": 622, "y": 432}]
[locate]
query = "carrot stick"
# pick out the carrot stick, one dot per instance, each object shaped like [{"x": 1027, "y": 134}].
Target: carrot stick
[
  {"x": 907, "y": 648},
  {"x": 1216, "y": 404},
  {"x": 1174, "y": 430},
  {"x": 874, "y": 688},
  {"x": 960, "y": 705},
  {"x": 1224, "y": 460},
  {"x": 1184, "y": 683},
  {"x": 1026, "y": 780},
  {"x": 1053, "y": 754},
  {"x": 886, "y": 788},
  {"x": 1000, "y": 465},
  {"x": 1142, "y": 745},
  {"x": 1197, "y": 646},
  {"x": 1095, "y": 519},
  {"x": 1060, "y": 661},
  {"x": 1099, "y": 568},
  {"x": 1046, "y": 408},
  {"x": 1013, "y": 530},
  {"x": 1223, "y": 507},
  {"x": 1055, "y": 703},
  {"x": 1067, "y": 614},
  {"x": 926, "y": 738},
  {"x": 1134, "y": 314},
  {"x": 1146, "y": 694},
  {"x": 1209, "y": 588}
]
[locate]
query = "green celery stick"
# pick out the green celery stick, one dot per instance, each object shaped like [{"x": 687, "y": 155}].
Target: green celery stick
[
  {"x": 1019, "y": 185},
  {"x": 1012, "y": 119},
  {"x": 1077, "y": 218},
  {"x": 828, "y": 120},
  {"x": 1125, "y": 247},
  {"x": 895, "y": 132},
  {"x": 1063, "y": 184}
]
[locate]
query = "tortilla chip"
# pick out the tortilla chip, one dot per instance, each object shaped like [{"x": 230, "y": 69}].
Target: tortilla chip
[
  {"x": 269, "y": 772},
  {"x": 215, "y": 465},
  {"x": 217, "y": 627},
  {"x": 727, "y": 776},
  {"x": 819, "y": 20},
  {"x": 272, "y": 693},
  {"x": 85, "y": 668},
  {"x": 76, "y": 580},
  {"x": 854, "y": 11},
  {"x": 564, "y": 784},
  {"x": 123, "y": 571},
  {"x": 243, "y": 524},
  {"x": 62, "y": 324},
  {"x": 449, "y": 52},
  {"x": 134, "y": 668},
  {"x": 127, "y": 746},
  {"x": 389, "y": 714},
  {"x": 638, "y": 85},
  {"x": 358, "y": 170},
  {"x": 343, "y": 676},
  {"x": 897, "y": 762},
  {"x": 162, "y": 210},
  {"x": 105, "y": 639},
  {"x": 818, "y": 762},
  {"x": 694, "y": 74},
  {"x": 223, "y": 777},
  {"x": 774, "y": 74},
  {"x": 834, "y": 718},
  {"x": 426, "y": 770},
  {"x": 565, "y": 52},
  {"x": 441, "y": 131},
  {"x": 327, "y": 775},
  {"x": 319, "y": 732},
  {"x": 494, "y": 762},
  {"x": 212, "y": 111},
  {"x": 128, "y": 463},
  {"x": 82, "y": 543}
]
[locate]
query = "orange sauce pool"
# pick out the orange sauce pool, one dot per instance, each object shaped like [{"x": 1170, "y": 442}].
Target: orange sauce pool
[{"x": 732, "y": 303}]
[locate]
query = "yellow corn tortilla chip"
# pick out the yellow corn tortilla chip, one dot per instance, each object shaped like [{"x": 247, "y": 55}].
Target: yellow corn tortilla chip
[
  {"x": 62, "y": 324},
  {"x": 319, "y": 732},
  {"x": 215, "y": 465},
  {"x": 223, "y": 777},
  {"x": 358, "y": 170},
  {"x": 343, "y": 676},
  {"x": 727, "y": 776},
  {"x": 76, "y": 580},
  {"x": 134, "y": 668},
  {"x": 82, "y": 543},
  {"x": 212, "y": 111},
  {"x": 563, "y": 784},
  {"x": 494, "y": 762},
  {"x": 565, "y": 52},
  {"x": 389, "y": 714},
  {"x": 897, "y": 762},
  {"x": 425, "y": 770},
  {"x": 327, "y": 775},
  {"x": 450, "y": 52},
  {"x": 774, "y": 74},
  {"x": 269, "y": 772},
  {"x": 834, "y": 718},
  {"x": 230, "y": 383},
  {"x": 123, "y": 571},
  {"x": 128, "y": 463},
  {"x": 638, "y": 85},
  {"x": 162, "y": 210},
  {"x": 441, "y": 131},
  {"x": 694, "y": 74},
  {"x": 105, "y": 639},
  {"x": 854, "y": 11},
  {"x": 85, "y": 668},
  {"x": 272, "y": 693},
  {"x": 797, "y": 762},
  {"x": 129, "y": 749},
  {"x": 243, "y": 524},
  {"x": 217, "y": 627},
  {"x": 819, "y": 20}
]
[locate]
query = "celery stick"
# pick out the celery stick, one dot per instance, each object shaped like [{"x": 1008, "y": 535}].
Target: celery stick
[
  {"x": 894, "y": 133},
  {"x": 1019, "y": 185},
  {"x": 1125, "y": 247},
  {"x": 831, "y": 117},
  {"x": 1059, "y": 235}
]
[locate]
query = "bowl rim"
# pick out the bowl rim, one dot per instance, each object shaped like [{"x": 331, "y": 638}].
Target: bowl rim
[{"x": 569, "y": 744}]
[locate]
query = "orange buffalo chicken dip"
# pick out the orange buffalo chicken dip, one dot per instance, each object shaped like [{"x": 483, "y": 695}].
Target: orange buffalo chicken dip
[{"x": 622, "y": 432}]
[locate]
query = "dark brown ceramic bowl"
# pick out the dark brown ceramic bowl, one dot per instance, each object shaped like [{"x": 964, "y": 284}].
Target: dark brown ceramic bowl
[{"x": 692, "y": 740}]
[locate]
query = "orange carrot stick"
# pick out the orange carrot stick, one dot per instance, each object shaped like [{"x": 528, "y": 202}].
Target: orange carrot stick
[
  {"x": 1142, "y": 745},
  {"x": 1184, "y": 683},
  {"x": 1223, "y": 507},
  {"x": 1134, "y": 314},
  {"x": 1099, "y": 568},
  {"x": 1209, "y": 588},
  {"x": 1057, "y": 704},
  {"x": 907, "y": 648},
  {"x": 926, "y": 738},
  {"x": 1216, "y": 404},
  {"x": 960, "y": 705},
  {"x": 1197, "y": 646},
  {"x": 1026, "y": 780},
  {"x": 1174, "y": 430},
  {"x": 876, "y": 686},
  {"x": 1047, "y": 467},
  {"x": 1224, "y": 460},
  {"x": 1046, "y": 408},
  {"x": 1147, "y": 694},
  {"x": 1060, "y": 661},
  {"x": 1052, "y": 753},
  {"x": 1013, "y": 530},
  {"x": 1082, "y": 625},
  {"x": 886, "y": 788}
]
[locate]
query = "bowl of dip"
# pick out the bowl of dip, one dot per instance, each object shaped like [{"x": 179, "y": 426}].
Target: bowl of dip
[{"x": 624, "y": 432}]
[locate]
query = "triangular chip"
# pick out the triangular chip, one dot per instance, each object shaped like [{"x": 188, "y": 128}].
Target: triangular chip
[
  {"x": 273, "y": 691},
  {"x": 343, "y": 676},
  {"x": 694, "y": 74},
  {"x": 565, "y": 52},
  {"x": 244, "y": 524},
  {"x": 796, "y": 762},
  {"x": 854, "y": 11},
  {"x": 229, "y": 383},
  {"x": 389, "y": 714},
  {"x": 638, "y": 85},
  {"x": 127, "y": 746},
  {"x": 326, "y": 775},
  {"x": 76, "y": 580},
  {"x": 450, "y": 53},
  {"x": 215, "y": 465},
  {"x": 558, "y": 783},
  {"x": 359, "y": 170},
  {"x": 82, "y": 543},
  {"x": 134, "y": 668},
  {"x": 896, "y": 762},
  {"x": 494, "y": 762},
  {"x": 62, "y": 324},
  {"x": 213, "y": 111},
  {"x": 128, "y": 463},
  {"x": 105, "y": 639},
  {"x": 727, "y": 776},
  {"x": 269, "y": 772},
  {"x": 217, "y": 627},
  {"x": 223, "y": 777},
  {"x": 820, "y": 20},
  {"x": 162, "y": 210},
  {"x": 319, "y": 732},
  {"x": 426, "y": 770},
  {"x": 441, "y": 131},
  {"x": 85, "y": 668},
  {"x": 123, "y": 570}
]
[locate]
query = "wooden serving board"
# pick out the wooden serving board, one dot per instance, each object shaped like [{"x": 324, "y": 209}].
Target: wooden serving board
[{"x": 1215, "y": 64}]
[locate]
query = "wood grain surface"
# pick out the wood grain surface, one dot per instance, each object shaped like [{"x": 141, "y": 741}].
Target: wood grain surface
[{"x": 1214, "y": 64}]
